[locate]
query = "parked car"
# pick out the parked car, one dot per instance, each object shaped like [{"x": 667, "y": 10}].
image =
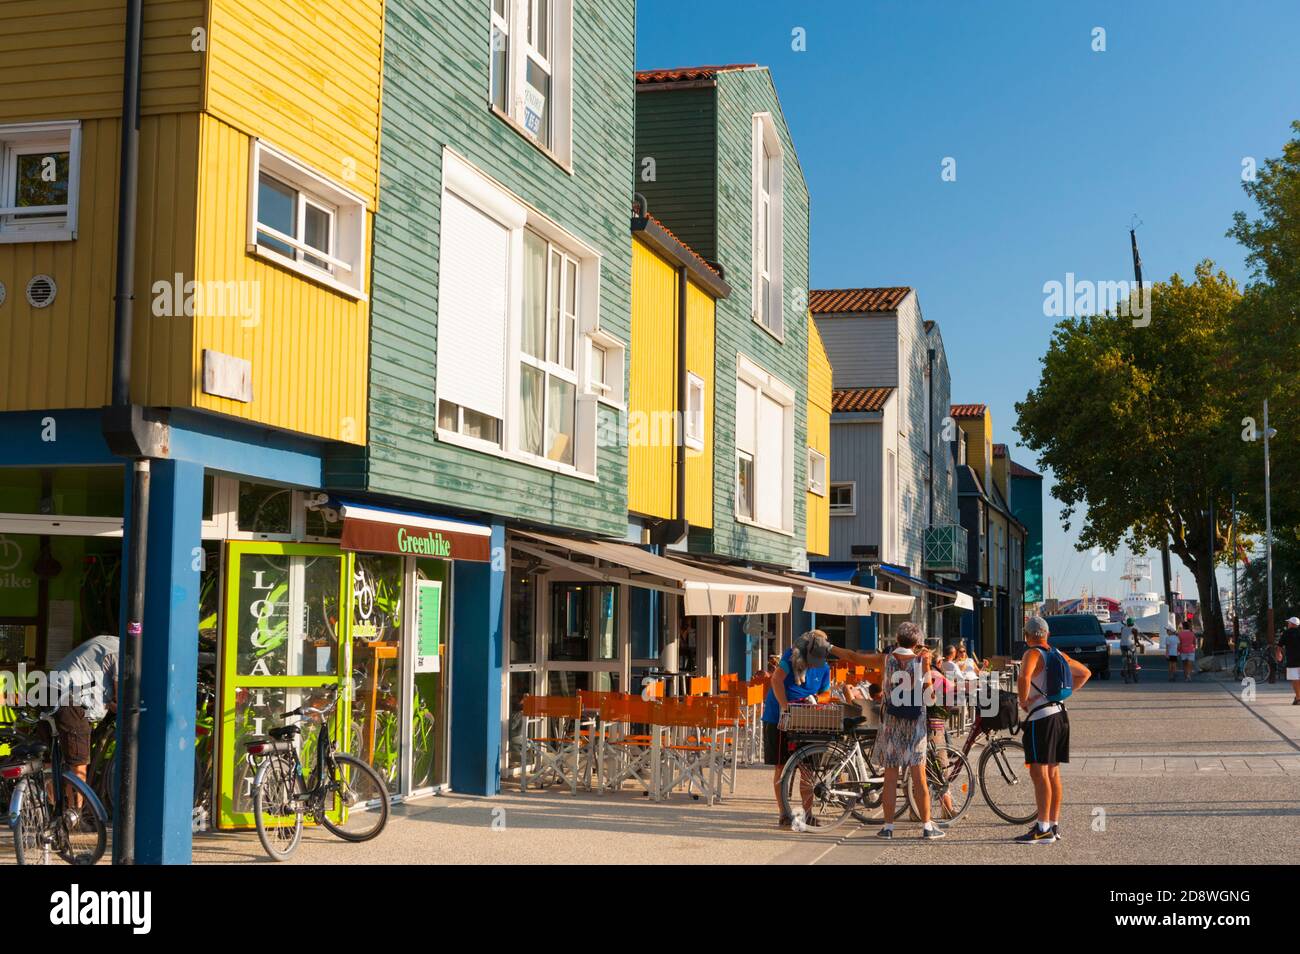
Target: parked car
[{"x": 1080, "y": 636}]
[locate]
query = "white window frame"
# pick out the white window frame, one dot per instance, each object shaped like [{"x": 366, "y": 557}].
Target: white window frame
[
  {"x": 768, "y": 385},
  {"x": 608, "y": 388},
  {"x": 692, "y": 420},
  {"x": 344, "y": 267},
  {"x": 478, "y": 189},
  {"x": 26, "y": 139},
  {"x": 816, "y": 486},
  {"x": 766, "y": 248},
  {"x": 520, "y": 26},
  {"x": 562, "y": 333},
  {"x": 840, "y": 511},
  {"x": 753, "y": 494}
]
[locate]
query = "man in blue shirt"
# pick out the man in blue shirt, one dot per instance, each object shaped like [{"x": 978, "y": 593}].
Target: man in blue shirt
[{"x": 802, "y": 674}]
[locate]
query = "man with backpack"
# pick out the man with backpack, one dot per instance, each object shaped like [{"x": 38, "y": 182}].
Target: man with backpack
[{"x": 1047, "y": 678}]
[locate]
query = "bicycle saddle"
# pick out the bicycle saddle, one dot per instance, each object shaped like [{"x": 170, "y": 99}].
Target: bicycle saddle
[
  {"x": 285, "y": 732},
  {"x": 852, "y": 722}
]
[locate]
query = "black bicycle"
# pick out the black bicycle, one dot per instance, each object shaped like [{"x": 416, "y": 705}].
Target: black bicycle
[
  {"x": 52, "y": 812},
  {"x": 342, "y": 793}
]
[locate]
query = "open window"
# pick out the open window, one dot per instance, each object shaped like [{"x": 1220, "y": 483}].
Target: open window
[
  {"x": 39, "y": 175},
  {"x": 817, "y": 472},
  {"x": 694, "y": 412},
  {"x": 304, "y": 222}
]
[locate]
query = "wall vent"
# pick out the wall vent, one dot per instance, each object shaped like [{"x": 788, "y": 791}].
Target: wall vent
[{"x": 41, "y": 291}]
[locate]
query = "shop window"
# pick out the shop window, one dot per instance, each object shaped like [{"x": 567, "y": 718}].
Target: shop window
[
  {"x": 584, "y": 623},
  {"x": 429, "y": 703},
  {"x": 376, "y": 663},
  {"x": 265, "y": 510},
  {"x": 530, "y": 69},
  {"x": 523, "y": 602},
  {"x": 63, "y": 491},
  {"x": 39, "y": 172},
  {"x": 305, "y": 222}
]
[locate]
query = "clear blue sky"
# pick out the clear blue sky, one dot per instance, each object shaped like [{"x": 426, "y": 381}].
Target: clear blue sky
[{"x": 1057, "y": 147}]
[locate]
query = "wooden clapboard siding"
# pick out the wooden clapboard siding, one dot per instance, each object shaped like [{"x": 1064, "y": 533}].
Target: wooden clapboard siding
[
  {"x": 819, "y": 439},
  {"x": 740, "y": 95},
  {"x": 676, "y": 162},
  {"x": 701, "y": 321},
  {"x": 652, "y": 386},
  {"x": 436, "y": 95},
  {"x": 306, "y": 76},
  {"x": 307, "y": 343},
  {"x": 62, "y": 59},
  {"x": 60, "y": 356}
]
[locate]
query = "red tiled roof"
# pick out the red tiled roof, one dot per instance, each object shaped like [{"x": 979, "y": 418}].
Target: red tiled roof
[
  {"x": 999, "y": 450},
  {"x": 843, "y": 301},
  {"x": 1019, "y": 470},
  {"x": 694, "y": 254},
  {"x": 967, "y": 410},
  {"x": 860, "y": 399},
  {"x": 685, "y": 74}
]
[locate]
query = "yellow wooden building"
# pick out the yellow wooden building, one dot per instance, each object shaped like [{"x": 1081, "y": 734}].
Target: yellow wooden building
[
  {"x": 669, "y": 280},
  {"x": 259, "y": 154},
  {"x": 819, "y": 445}
]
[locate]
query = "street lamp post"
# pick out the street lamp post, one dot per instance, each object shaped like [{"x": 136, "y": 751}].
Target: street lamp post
[{"x": 1268, "y": 536}]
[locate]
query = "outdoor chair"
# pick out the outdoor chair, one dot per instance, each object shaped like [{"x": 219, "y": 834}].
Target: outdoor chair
[
  {"x": 690, "y": 757},
  {"x": 552, "y": 741}
]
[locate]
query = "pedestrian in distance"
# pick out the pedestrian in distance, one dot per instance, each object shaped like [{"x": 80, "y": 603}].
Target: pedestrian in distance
[
  {"x": 1171, "y": 644},
  {"x": 900, "y": 742},
  {"x": 1047, "y": 678},
  {"x": 1288, "y": 651},
  {"x": 1187, "y": 649}
]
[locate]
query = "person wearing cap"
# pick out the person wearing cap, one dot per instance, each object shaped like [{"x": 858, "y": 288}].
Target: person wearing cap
[
  {"x": 802, "y": 673},
  {"x": 1288, "y": 651},
  {"x": 1171, "y": 644}
]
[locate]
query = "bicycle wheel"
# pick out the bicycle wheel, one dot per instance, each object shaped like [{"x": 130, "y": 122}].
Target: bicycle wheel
[
  {"x": 277, "y": 807},
  {"x": 80, "y": 835},
  {"x": 32, "y": 842},
  {"x": 358, "y": 797},
  {"x": 1005, "y": 782},
  {"x": 820, "y": 785},
  {"x": 1257, "y": 668},
  {"x": 951, "y": 782}
]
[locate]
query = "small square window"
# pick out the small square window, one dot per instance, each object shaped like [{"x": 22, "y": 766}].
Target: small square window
[
  {"x": 817, "y": 472},
  {"x": 843, "y": 499},
  {"x": 39, "y": 170},
  {"x": 694, "y": 416}
]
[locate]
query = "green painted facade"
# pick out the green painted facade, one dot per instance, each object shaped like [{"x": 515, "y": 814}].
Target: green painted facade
[
  {"x": 436, "y": 94},
  {"x": 699, "y": 136}
]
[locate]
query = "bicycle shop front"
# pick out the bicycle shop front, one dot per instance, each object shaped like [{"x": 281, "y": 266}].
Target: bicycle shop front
[{"x": 319, "y": 592}]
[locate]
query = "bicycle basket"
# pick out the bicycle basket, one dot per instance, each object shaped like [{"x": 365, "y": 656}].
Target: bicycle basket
[{"x": 825, "y": 719}]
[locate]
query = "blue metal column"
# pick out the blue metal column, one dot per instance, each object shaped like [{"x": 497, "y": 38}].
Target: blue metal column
[
  {"x": 868, "y": 641},
  {"x": 477, "y": 659},
  {"x": 165, "y": 793}
]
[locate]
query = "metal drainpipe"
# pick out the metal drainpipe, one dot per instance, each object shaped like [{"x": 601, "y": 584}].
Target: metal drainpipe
[
  {"x": 683, "y": 397},
  {"x": 929, "y": 453},
  {"x": 123, "y": 304}
]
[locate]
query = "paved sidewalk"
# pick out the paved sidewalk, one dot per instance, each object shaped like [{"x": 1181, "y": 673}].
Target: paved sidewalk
[{"x": 1163, "y": 773}]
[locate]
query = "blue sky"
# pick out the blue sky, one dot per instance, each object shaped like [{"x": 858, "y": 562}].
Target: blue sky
[{"x": 1057, "y": 147}]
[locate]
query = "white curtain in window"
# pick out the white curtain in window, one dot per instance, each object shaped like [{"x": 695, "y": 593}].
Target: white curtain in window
[
  {"x": 771, "y": 464},
  {"x": 473, "y": 279}
]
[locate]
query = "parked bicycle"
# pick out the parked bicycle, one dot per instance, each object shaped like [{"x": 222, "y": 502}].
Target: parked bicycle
[
  {"x": 1002, "y": 773},
  {"x": 342, "y": 793},
  {"x": 52, "y": 812}
]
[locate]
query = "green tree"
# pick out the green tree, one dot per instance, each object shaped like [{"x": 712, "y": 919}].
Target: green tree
[
  {"x": 1140, "y": 425},
  {"x": 1267, "y": 329}
]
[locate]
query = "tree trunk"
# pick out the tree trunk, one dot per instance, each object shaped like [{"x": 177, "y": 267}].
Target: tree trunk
[{"x": 1207, "y": 592}]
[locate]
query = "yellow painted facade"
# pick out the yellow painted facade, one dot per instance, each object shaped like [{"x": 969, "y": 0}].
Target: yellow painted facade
[
  {"x": 652, "y": 390},
  {"x": 302, "y": 75},
  {"x": 819, "y": 439}
]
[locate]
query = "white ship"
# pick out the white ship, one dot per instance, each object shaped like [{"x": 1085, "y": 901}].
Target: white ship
[{"x": 1147, "y": 610}]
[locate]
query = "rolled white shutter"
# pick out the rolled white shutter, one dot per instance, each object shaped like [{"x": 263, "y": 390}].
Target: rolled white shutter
[
  {"x": 746, "y": 411},
  {"x": 473, "y": 285},
  {"x": 755, "y": 245}
]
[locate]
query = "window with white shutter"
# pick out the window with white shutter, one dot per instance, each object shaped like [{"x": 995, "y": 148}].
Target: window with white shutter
[
  {"x": 766, "y": 224},
  {"x": 764, "y": 449}
]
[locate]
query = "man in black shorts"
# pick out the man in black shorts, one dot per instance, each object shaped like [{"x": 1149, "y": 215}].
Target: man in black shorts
[
  {"x": 85, "y": 683},
  {"x": 1045, "y": 730}
]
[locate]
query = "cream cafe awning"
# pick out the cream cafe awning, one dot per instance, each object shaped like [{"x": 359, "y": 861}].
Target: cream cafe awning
[
  {"x": 825, "y": 596},
  {"x": 704, "y": 592}
]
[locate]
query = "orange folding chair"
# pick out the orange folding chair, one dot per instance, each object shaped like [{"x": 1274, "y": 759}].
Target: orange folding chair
[
  {"x": 552, "y": 738},
  {"x": 691, "y": 754},
  {"x": 628, "y": 754}
]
